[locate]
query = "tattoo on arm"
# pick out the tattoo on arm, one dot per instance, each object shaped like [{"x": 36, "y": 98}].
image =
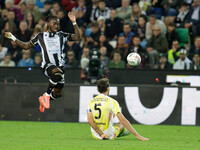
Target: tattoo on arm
[
  {"x": 24, "y": 45},
  {"x": 77, "y": 35}
]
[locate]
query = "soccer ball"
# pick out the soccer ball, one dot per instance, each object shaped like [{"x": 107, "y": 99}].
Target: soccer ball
[{"x": 134, "y": 59}]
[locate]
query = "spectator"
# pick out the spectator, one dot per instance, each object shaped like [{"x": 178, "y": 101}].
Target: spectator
[
  {"x": 85, "y": 52},
  {"x": 83, "y": 36},
  {"x": 149, "y": 26},
  {"x": 9, "y": 4},
  {"x": 156, "y": 44},
  {"x": 84, "y": 63},
  {"x": 103, "y": 42},
  {"x": 101, "y": 24},
  {"x": 127, "y": 33},
  {"x": 122, "y": 47},
  {"x": 12, "y": 19},
  {"x": 195, "y": 65},
  {"x": 7, "y": 62},
  {"x": 47, "y": 8},
  {"x": 38, "y": 60},
  {"x": 72, "y": 45},
  {"x": 137, "y": 48},
  {"x": 155, "y": 9},
  {"x": 26, "y": 60},
  {"x": 4, "y": 18},
  {"x": 124, "y": 12},
  {"x": 69, "y": 4},
  {"x": 196, "y": 47},
  {"x": 182, "y": 15},
  {"x": 92, "y": 40},
  {"x": 90, "y": 12},
  {"x": 171, "y": 34},
  {"x": 15, "y": 51},
  {"x": 9, "y": 27},
  {"x": 104, "y": 59},
  {"x": 102, "y": 10},
  {"x": 162, "y": 62},
  {"x": 192, "y": 21},
  {"x": 23, "y": 34},
  {"x": 174, "y": 52},
  {"x": 144, "y": 5},
  {"x": 20, "y": 12},
  {"x": 114, "y": 26},
  {"x": 63, "y": 21},
  {"x": 183, "y": 63},
  {"x": 55, "y": 8},
  {"x": 3, "y": 52},
  {"x": 171, "y": 6},
  {"x": 41, "y": 24},
  {"x": 117, "y": 61},
  {"x": 113, "y": 3},
  {"x": 71, "y": 60},
  {"x": 33, "y": 9},
  {"x": 30, "y": 21},
  {"x": 80, "y": 11},
  {"x": 140, "y": 29},
  {"x": 136, "y": 13}
]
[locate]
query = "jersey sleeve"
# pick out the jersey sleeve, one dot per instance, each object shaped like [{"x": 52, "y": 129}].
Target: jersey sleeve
[
  {"x": 89, "y": 109},
  {"x": 115, "y": 107},
  {"x": 34, "y": 40},
  {"x": 68, "y": 36}
]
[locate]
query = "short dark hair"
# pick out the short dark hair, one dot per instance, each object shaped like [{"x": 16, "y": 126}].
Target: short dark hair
[
  {"x": 52, "y": 16},
  {"x": 152, "y": 16},
  {"x": 47, "y": 3},
  {"x": 172, "y": 24},
  {"x": 144, "y": 17},
  {"x": 102, "y": 85}
]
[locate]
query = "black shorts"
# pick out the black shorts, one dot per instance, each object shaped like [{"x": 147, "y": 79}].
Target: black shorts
[{"x": 47, "y": 71}]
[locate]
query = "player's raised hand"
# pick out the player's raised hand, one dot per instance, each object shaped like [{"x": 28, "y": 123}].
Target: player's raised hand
[
  {"x": 104, "y": 136},
  {"x": 72, "y": 17},
  {"x": 142, "y": 138}
]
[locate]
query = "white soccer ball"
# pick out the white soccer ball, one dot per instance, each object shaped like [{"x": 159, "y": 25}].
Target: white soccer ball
[{"x": 134, "y": 59}]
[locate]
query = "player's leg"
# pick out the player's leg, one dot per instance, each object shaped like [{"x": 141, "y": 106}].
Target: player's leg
[
  {"x": 55, "y": 75},
  {"x": 120, "y": 130},
  {"x": 57, "y": 91}
]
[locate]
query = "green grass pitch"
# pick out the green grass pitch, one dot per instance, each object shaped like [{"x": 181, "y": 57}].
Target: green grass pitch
[{"x": 17, "y": 135}]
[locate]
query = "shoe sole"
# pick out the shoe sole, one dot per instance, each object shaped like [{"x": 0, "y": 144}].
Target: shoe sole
[
  {"x": 47, "y": 103},
  {"x": 41, "y": 108}
]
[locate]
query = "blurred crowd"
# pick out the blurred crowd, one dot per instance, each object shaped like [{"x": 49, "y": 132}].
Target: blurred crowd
[{"x": 166, "y": 33}]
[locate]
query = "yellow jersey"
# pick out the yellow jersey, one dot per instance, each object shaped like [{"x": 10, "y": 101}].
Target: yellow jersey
[{"x": 104, "y": 109}]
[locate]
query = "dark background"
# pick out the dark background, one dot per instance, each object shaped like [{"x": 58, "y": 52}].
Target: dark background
[{"x": 20, "y": 102}]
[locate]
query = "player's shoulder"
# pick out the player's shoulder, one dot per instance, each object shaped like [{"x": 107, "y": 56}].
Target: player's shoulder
[
  {"x": 40, "y": 34},
  {"x": 63, "y": 33}
]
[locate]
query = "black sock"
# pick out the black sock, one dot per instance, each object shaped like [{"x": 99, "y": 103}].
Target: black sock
[
  {"x": 52, "y": 97},
  {"x": 49, "y": 89}
]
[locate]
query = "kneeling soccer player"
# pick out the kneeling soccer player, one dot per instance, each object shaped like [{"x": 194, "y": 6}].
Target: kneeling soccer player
[{"x": 101, "y": 112}]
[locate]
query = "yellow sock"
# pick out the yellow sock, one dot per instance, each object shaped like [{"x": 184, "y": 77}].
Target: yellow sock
[{"x": 117, "y": 130}]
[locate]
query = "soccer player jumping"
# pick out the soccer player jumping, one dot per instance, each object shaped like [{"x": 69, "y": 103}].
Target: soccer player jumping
[
  {"x": 101, "y": 112},
  {"x": 52, "y": 44}
]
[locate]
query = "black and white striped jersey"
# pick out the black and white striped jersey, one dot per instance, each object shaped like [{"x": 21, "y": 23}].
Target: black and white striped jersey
[{"x": 52, "y": 46}]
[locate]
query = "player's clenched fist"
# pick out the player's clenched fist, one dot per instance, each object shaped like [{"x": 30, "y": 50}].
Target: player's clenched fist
[{"x": 10, "y": 36}]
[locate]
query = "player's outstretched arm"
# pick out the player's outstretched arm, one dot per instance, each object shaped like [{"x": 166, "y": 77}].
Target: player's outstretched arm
[
  {"x": 95, "y": 127},
  {"x": 128, "y": 126},
  {"x": 77, "y": 35},
  {"x": 24, "y": 45}
]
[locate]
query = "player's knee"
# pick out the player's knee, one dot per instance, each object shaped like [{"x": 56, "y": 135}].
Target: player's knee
[
  {"x": 56, "y": 77},
  {"x": 55, "y": 95}
]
